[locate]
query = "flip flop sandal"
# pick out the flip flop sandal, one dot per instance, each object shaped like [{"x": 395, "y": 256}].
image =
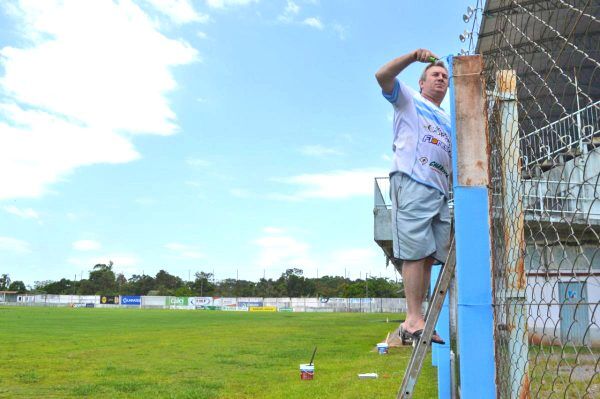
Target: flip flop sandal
[
  {"x": 417, "y": 335},
  {"x": 437, "y": 340},
  {"x": 405, "y": 336}
]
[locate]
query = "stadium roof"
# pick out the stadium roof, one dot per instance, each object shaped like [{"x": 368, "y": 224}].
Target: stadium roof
[{"x": 548, "y": 43}]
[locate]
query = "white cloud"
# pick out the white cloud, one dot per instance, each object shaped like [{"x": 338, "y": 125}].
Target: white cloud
[
  {"x": 290, "y": 11},
  {"x": 354, "y": 261},
  {"x": 357, "y": 257},
  {"x": 26, "y": 213},
  {"x": 96, "y": 85},
  {"x": 13, "y": 245},
  {"x": 197, "y": 162},
  {"x": 192, "y": 183},
  {"x": 334, "y": 185},
  {"x": 180, "y": 11},
  {"x": 122, "y": 263},
  {"x": 228, "y": 3},
  {"x": 318, "y": 150},
  {"x": 184, "y": 251},
  {"x": 201, "y": 35},
  {"x": 86, "y": 245},
  {"x": 280, "y": 251},
  {"x": 173, "y": 246},
  {"x": 273, "y": 230},
  {"x": 72, "y": 216},
  {"x": 313, "y": 22},
  {"x": 145, "y": 201},
  {"x": 240, "y": 193},
  {"x": 341, "y": 31}
]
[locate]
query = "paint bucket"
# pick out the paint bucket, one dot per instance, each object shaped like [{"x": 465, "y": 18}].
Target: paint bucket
[
  {"x": 307, "y": 371},
  {"x": 382, "y": 348}
]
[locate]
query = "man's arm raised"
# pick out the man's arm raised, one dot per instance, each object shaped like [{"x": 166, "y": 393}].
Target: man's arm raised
[{"x": 387, "y": 73}]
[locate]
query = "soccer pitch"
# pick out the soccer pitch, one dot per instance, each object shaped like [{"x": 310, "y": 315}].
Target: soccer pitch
[{"x": 133, "y": 353}]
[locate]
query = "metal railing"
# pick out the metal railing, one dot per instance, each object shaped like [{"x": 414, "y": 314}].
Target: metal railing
[{"x": 569, "y": 135}]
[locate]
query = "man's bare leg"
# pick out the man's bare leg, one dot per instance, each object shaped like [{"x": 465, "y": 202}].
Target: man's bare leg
[
  {"x": 416, "y": 276},
  {"x": 413, "y": 275}
]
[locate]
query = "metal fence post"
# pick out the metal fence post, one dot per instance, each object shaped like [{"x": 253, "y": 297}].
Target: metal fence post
[
  {"x": 472, "y": 206},
  {"x": 514, "y": 237}
]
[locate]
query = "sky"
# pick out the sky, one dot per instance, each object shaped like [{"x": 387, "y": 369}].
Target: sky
[{"x": 240, "y": 137}]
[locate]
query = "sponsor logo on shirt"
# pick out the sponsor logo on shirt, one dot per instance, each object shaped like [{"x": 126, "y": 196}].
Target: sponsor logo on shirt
[
  {"x": 423, "y": 160},
  {"x": 438, "y": 168},
  {"x": 435, "y": 141},
  {"x": 438, "y": 130}
]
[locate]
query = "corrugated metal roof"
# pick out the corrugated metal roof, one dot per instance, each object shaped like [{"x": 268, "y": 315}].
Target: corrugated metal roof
[{"x": 550, "y": 44}]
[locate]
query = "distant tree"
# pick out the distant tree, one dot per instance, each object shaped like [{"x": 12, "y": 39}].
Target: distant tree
[
  {"x": 202, "y": 284},
  {"x": 101, "y": 281},
  {"x": 121, "y": 283},
  {"x": 63, "y": 286},
  {"x": 331, "y": 286},
  {"x": 4, "y": 282},
  {"x": 269, "y": 289},
  {"x": 18, "y": 286},
  {"x": 294, "y": 284},
  {"x": 374, "y": 288},
  {"x": 166, "y": 283},
  {"x": 232, "y": 287},
  {"x": 184, "y": 290},
  {"x": 139, "y": 284}
]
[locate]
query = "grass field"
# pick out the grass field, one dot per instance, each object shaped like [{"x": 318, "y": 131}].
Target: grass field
[{"x": 132, "y": 353}]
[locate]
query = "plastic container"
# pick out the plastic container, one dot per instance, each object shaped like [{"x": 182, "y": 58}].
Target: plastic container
[
  {"x": 382, "y": 348},
  {"x": 307, "y": 371},
  {"x": 368, "y": 376}
]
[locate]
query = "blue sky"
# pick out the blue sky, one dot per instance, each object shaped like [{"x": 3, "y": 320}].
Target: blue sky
[{"x": 233, "y": 136}]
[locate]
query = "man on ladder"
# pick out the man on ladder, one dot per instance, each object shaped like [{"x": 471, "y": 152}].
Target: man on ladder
[{"x": 419, "y": 179}]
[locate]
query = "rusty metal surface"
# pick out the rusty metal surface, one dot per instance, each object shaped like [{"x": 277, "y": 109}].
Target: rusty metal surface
[{"x": 470, "y": 111}]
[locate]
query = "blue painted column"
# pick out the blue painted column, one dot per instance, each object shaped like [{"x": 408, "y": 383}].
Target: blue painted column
[
  {"x": 472, "y": 228},
  {"x": 440, "y": 354}
]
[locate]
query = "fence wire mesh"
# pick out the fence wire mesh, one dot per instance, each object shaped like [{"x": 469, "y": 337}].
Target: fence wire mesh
[{"x": 542, "y": 72}]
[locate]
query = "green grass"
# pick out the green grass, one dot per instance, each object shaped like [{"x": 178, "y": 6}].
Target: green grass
[{"x": 132, "y": 353}]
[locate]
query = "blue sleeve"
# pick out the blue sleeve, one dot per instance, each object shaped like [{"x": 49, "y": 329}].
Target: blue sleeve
[{"x": 393, "y": 96}]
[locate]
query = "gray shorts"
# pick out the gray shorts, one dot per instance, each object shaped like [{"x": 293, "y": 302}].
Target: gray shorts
[{"x": 420, "y": 220}]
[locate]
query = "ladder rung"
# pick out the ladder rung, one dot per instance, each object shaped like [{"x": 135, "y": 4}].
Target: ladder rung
[{"x": 431, "y": 316}]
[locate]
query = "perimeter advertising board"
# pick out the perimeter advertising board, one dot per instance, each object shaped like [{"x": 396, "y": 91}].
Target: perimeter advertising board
[
  {"x": 200, "y": 302},
  {"x": 177, "y": 301},
  {"x": 109, "y": 299},
  {"x": 131, "y": 300},
  {"x": 262, "y": 308}
]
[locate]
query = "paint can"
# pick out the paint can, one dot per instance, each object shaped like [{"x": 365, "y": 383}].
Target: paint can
[
  {"x": 307, "y": 371},
  {"x": 382, "y": 348}
]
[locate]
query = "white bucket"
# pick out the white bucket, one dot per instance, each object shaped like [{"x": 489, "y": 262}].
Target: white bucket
[
  {"x": 382, "y": 348},
  {"x": 307, "y": 371}
]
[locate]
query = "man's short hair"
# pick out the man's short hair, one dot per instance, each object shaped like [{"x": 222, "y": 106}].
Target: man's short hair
[{"x": 437, "y": 63}]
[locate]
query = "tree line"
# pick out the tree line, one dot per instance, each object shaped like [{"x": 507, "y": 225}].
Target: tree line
[{"x": 103, "y": 280}]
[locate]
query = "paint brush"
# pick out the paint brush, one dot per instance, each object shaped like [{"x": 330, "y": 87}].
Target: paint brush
[{"x": 313, "y": 357}]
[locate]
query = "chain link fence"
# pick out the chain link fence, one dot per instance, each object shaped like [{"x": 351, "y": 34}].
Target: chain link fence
[{"x": 542, "y": 72}]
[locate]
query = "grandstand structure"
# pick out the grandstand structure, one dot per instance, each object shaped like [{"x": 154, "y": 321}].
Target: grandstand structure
[{"x": 545, "y": 205}]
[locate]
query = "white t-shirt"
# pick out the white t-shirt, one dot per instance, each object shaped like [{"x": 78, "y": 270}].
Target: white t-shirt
[{"x": 422, "y": 145}]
